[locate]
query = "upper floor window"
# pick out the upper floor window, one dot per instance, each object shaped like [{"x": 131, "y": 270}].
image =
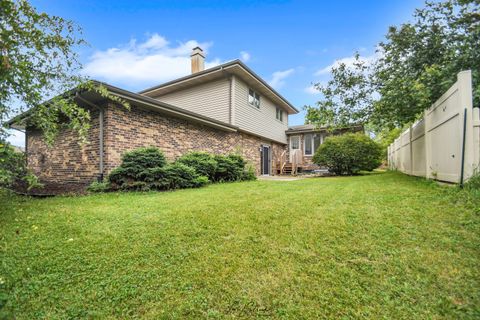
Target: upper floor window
[
  {"x": 279, "y": 114},
  {"x": 253, "y": 98}
]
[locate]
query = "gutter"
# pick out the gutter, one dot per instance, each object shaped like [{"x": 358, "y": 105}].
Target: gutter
[{"x": 101, "y": 117}]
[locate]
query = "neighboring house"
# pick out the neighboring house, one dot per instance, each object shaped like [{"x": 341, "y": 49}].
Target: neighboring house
[{"x": 222, "y": 110}]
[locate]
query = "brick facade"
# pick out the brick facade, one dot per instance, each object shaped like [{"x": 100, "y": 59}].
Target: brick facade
[{"x": 66, "y": 162}]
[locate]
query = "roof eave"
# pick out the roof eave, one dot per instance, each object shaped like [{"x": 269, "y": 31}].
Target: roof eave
[{"x": 146, "y": 101}]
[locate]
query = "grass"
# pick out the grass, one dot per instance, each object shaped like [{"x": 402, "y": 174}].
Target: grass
[{"x": 374, "y": 246}]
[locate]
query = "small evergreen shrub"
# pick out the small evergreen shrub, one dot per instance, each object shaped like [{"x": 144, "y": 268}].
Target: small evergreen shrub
[
  {"x": 229, "y": 168},
  {"x": 98, "y": 187},
  {"x": 142, "y": 158},
  {"x": 203, "y": 163},
  {"x": 182, "y": 176},
  {"x": 123, "y": 176},
  {"x": 128, "y": 175},
  {"x": 146, "y": 169},
  {"x": 348, "y": 154},
  {"x": 248, "y": 174},
  {"x": 156, "y": 178}
]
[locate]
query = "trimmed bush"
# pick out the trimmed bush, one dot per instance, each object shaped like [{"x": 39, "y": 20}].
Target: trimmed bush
[
  {"x": 229, "y": 168},
  {"x": 123, "y": 176},
  {"x": 203, "y": 163},
  {"x": 134, "y": 163},
  {"x": 248, "y": 174},
  {"x": 348, "y": 154},
  {"x": 142, "y": 158},
  {"x": 146, "y": 169},
  {"x": 182, "y": 176}
]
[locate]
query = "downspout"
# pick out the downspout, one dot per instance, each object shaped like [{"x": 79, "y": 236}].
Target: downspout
[
  {"x": 101, "y": 116},
  {"x": 463, "y": 147}
]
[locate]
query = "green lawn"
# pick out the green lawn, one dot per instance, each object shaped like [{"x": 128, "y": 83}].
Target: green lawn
[{"x": 375, "y": 246}]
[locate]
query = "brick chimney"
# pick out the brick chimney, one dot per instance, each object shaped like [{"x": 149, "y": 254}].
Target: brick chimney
[{"x": 198, "y": 60}]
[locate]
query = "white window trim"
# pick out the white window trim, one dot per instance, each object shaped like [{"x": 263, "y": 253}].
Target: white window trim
[
  {"x": 281, "y": 114},
  {"x": 299, "y": 142},
  {"x": 259, "y": 98}
]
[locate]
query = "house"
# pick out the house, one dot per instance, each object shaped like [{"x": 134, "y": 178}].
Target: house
[
  {"x": 224, "y": 109},
  {"x": 304, "y": 139}
]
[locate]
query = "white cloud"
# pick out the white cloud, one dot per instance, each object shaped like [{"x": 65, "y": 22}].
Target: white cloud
[
  {"x": 311, "y": 90},
  {"x": 16, "y": 138},
  {"x": 154, "y": 61},
  {"x": 348, "y": 61},
  {"x": 245, "y": 56},
  {"x": 278, "y": 78}
]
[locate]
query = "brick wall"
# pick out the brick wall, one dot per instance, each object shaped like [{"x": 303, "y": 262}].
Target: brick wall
[
  {"x": 130, "y": 129},
  {"x": 66, "y": 162}
]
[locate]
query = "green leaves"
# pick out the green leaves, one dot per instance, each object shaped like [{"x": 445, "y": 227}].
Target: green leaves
[
  {"x": 347, "y": 97},
  {"x": 13, "y": 168},
  {"x": 415, "y": 64},
  {"x": 348, "y": 154},
  {"x": 38, "y": 61}
]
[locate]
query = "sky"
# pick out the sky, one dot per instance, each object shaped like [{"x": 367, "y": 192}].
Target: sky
[{"x": 290, "y": 44}]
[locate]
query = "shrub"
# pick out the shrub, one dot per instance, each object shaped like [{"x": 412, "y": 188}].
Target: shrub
[
  {"x": 123, "y": 176},
  {"x": 146, "y": 169},
  {"x": 229, "y": 168},
  {"x": 13, "y": 168},
  {"x": 142, "y": 158},
  {"x": 156, "y": 178},
  {"x": 348, "y": 154},
  {"x": 203, "y": 163},
  {"x": 182, "y": 176},
  {"x": 248, "y": 174},
  {"x": 134, "y": 163},
  {"x": 99, "y": 187}
]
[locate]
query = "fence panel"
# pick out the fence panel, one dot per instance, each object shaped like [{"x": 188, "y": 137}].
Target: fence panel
[
  {"x": 419, "y": 164},
  {"x": 449, "y": 132}
]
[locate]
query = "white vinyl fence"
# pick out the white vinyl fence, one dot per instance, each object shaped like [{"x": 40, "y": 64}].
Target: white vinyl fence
[{"x": 449, "y": 131}]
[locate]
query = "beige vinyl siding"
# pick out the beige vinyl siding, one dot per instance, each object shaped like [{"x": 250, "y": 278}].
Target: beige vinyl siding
[
  {"x": 211, "y": 99},
  {"x": 260, "y": 121}
]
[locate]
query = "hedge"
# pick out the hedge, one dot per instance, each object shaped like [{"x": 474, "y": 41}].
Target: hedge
[{"x": 146, "y": 169}]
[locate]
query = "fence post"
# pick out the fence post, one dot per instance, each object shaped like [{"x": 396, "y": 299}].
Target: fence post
[
  {"x": 464, "y": 79},
  {"x": 411, "y": 149},
  {"x": 428, "y": 138},
  {"x": 476, "y": 138}
]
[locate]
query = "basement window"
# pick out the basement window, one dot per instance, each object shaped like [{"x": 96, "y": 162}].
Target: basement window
[
  {"x": 254, "y": 98},
  {"x": 279, "y": 114}
]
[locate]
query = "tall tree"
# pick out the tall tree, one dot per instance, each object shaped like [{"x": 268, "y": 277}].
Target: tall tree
[
  {"x": 38, "y": 62},
  {"x": 38, "y": 67},
  {"x": 415, "y": 64}
]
